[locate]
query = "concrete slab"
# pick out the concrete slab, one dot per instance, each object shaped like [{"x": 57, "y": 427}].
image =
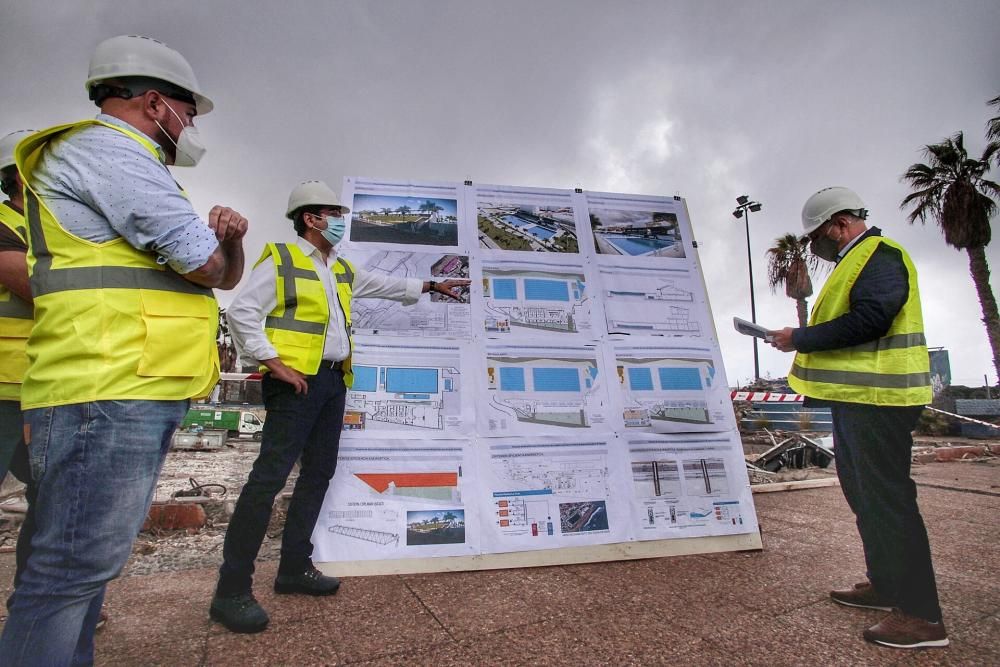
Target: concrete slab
[{"x": 474, "y": 603}]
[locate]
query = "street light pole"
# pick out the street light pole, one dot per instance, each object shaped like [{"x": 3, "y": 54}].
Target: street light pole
[{"x": 743, "y": 208}]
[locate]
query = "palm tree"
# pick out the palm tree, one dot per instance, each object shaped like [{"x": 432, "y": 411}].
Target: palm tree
[
  {"x": 788, "y": 263},
  {"x": 951, "y": 190},
  {"x": 993, "y": 127},
  {"x": 403, "y": 210}
]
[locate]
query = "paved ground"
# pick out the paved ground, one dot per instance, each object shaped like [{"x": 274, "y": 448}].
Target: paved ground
[{"x": 759, "y": 608}]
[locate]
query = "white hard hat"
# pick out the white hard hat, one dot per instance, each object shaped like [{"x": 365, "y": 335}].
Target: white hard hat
[
  {"x": 312, "y": 193},
  {"x": 7, "y": 145},
  {"x": 824, "y": 204},
  {"x": 133, "y": 55}
]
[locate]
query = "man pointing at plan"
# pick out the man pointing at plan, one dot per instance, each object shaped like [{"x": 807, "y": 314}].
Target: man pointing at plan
[{"x": 294, "y": 317}]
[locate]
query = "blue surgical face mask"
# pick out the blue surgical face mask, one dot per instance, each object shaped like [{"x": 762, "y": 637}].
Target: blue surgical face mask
[{"x": 334, "y": 229}]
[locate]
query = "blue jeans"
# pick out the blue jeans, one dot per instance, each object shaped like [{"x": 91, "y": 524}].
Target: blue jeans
[
  {"x": 95, "y": 467},
  {"x": 11, "y": 426}
]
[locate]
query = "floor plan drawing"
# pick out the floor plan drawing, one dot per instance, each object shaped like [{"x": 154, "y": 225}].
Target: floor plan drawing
[
  {"x": 534, "y": 298},
  {"x": 669, "y": 393},
  {"x": 410, "y": 388},
  {"x": 533, "y": 393},
  {"x": 433, "y": 316}
]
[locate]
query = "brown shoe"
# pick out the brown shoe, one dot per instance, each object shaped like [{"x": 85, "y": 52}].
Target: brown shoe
[
  {"x": 900, "y": 630},
  {"x": 861, "y": 595}
]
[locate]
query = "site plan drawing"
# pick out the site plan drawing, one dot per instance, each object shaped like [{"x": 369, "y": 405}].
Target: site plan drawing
[
  {"x": 434, "y": 316},
  {"x": 399, "y": 499},
  {"x": 413, "y": 388},
  {"x": 686, "y": 484},
  {"x": 525, "y": 219},
  {"x": 671, "y": 388},
  {"x": 538, "y": 493},
  {"x": 538, "y": 389},
  {"x": 535, "y": 297}
]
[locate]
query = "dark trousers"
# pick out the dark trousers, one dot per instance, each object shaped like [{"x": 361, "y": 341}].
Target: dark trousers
[
  {"x": 873, "y": 447},
  {"x": 297, "y": 425},
  {"x": 14, "y": 458}
]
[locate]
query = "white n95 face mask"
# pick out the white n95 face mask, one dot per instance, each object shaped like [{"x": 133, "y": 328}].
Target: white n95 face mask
[{"x": 188, "y": 147}]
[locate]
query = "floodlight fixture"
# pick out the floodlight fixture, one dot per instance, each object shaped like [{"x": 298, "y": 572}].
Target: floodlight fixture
[{"x": 745, "y": 206}]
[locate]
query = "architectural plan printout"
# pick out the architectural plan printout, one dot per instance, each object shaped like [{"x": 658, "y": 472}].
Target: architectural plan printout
[
  {"x": 434, "y": 316},
  {"x": 573, "y": 395}
]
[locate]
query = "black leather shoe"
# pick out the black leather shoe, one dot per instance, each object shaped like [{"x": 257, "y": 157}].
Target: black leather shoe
[
  {"x": 239, "y": 613},
  {"x": 310, "y": 582}
]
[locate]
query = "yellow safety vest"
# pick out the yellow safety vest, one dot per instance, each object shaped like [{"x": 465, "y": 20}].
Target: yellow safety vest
[
  {"x": 297, "y": 326},
  {"x": 893, "y": 370},
  {"x": 110, "y": 322},
  {"x": 15, "y": 322}
]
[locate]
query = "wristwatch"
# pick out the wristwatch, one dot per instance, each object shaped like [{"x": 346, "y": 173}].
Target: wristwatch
[{"x": 431, "y": 285}]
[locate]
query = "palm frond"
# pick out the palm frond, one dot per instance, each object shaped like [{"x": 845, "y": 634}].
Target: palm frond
[
  {"x": 993, "y": 124},
  {"x": 992, "y": 148}
]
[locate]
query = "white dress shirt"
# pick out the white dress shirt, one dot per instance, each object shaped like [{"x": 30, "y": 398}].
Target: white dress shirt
[{"x": 259, "y": 297}]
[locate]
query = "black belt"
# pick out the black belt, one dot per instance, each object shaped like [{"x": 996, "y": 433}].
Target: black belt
[{"x": 333, "y": 365}]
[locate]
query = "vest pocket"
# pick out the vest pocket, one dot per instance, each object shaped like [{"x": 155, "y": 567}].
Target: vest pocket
[
  {"x": 13, "y": 346},
  {"x": 13, "y": 358},
  {"x": 178, "y": 335}
]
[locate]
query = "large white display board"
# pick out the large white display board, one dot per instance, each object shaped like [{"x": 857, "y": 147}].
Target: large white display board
[{"x": 571, "y": 406}]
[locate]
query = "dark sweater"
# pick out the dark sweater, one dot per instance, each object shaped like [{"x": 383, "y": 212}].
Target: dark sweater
[{"x": 876, "y": 298}]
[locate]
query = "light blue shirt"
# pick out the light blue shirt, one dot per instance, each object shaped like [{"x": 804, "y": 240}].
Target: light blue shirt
[{"x": 102, "y": 184}]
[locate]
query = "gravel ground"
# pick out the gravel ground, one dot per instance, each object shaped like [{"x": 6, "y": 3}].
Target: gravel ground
[{"x": 181, "y": 550}]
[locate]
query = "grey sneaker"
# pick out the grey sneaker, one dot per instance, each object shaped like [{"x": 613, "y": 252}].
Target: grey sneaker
[
  {"x": 900, "y": 630},
  {"x": 310, "y": 582},
  {"x": 239, "y": 613}
]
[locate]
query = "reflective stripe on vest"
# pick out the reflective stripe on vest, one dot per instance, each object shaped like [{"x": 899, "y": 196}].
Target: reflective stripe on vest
[
  {"x": 288, "y": 273},
  {"x": 110, "y": 322},
  {"x": 297, "y": 325},
  {"x": 16, "y": 318},
  {"x": 892, "y": 370}
]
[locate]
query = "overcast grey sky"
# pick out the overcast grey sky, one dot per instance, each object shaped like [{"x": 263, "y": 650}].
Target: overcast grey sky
[{"x": 708, "y": 100}]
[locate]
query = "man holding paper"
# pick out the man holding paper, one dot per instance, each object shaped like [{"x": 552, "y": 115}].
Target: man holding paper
[{"x": 864, "y": 354}]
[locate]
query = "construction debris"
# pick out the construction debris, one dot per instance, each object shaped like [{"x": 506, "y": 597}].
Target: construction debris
[{"x": 796, "y": 451}]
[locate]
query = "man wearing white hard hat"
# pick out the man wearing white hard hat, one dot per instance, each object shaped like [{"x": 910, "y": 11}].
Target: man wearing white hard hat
[
  {"x": 864, "y": 354},
  {"x": 293, "y": 316},
  {"x": 16, "y": 318},
  {"x": 122, "y": 270},
  {"x": 16, "y": 310}
]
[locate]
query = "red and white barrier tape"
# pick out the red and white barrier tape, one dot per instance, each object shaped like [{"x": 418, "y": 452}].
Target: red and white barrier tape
[
  {"x": 239, "y": 376},
  {"x": 766, "y": 397}
]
